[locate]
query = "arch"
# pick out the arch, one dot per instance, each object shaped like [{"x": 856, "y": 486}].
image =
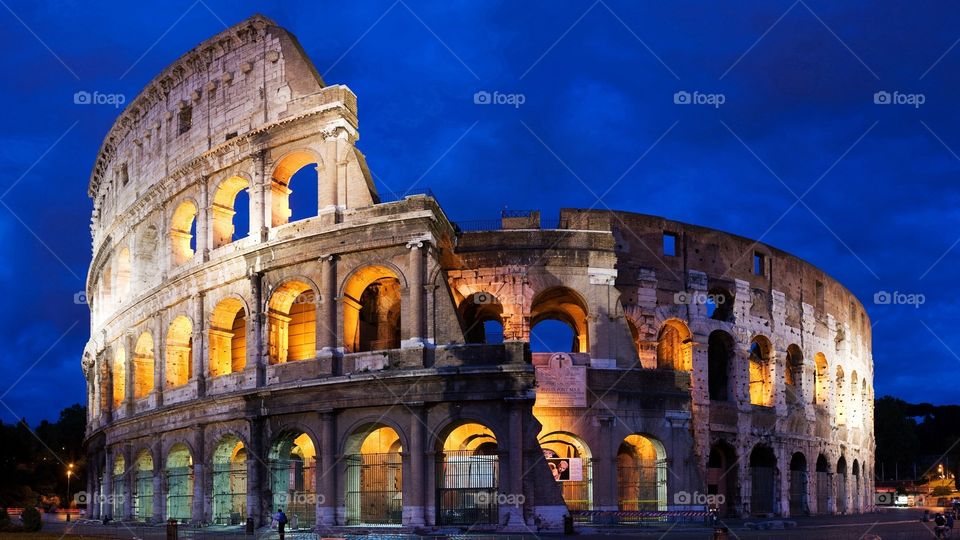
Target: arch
[
  {"x": 764, "y": 478},
  {"x": 722, "y": 477},
  {"x": 183, "y": 241},
  {"x": 798, "y": 485},
  {"x": 143, "y": 486},
  {"x": 720, "y": 359},
  {"x": 720, "y": 304},
  {"x": 855, "y": 491},
  {"x": 372, "y": 309},
  {"x": 118, "y": 373},
  {"x": 841, "y": 398},
  {"x": 570, "y": 462},
  {"x": 674, "y": 346},
  {"x": 793, "y": 375},
  {"x": 374, "y": 476},
  {"x": 119, "y": 479},
  {"x": 820, "y": 379},
  {"x": 223, "y": 209},
  {"x": 824, "y": 488},
  {"x": 567, "y": 306},
  {"x": 281, "y": 178},
  {"x": 229, "y": 481},
  {"x": 293, "y": 477},
  {"x": 468, "y": 475},
  {"x": 179, "y": 352},
  {"x": 761, "y": 372},
  {"x": 841, "y": 489},
  {"x": 124, "y": 275},
  {"x": 105, "y": 301},
  {"x": 143, "y": 364},
  {"x": 641, "y": 474},
  {"x": 179, "y": 478},
  {"x": 292, "y": 322},
  {"x": 147, "y": 270},
  {"x": 476, "y": 311},
  {"x": 228, "y": 337}
]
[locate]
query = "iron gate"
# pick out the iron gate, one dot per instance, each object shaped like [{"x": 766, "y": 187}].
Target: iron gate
[
  {"x": 143, "y": 497},
  {"x": 798, "y": 493},
  {"x": 118, "y": 494},
  {"x": 823, "y": 492},
  {"x": 642, "y": 488},
  {"x": 374, "y": 489},
  {"x": 293, "y": 483},
  {"x": 229, "y": 493},
  {"x": 578, "y": 494},
  {"x": 467, "y": 488},
  {"x": 762, "y": 492},
  {"x": 179, "y": 493}
]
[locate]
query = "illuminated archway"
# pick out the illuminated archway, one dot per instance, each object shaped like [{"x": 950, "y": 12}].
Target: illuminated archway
[
  {"x": 720, "y": 359},
  {"x": 119, "y": 375},
  {"x": 641, "y": 474},
  {"x": 481, "y": 316},
  {"x": 674, "y": 346},
  {"x": 292, "y": 320},
  {"x": 143, "y": 486},
  {"x": 228, "y": 338},
  {"x": 183, "y": 237},
  {"x": 764, "y": 480},
  {"x": 179, "y": 353},
  {"x": 798, "y": 485},
  {"x": 282, "y": 210},
  {"x": 180, "y": 480},
  {"x": 119, "y": 491},
  {"x": 468, "y": 476},
  {"x": 374, "y": 477},
  {"x": 230, "y": 481},
  {"x": 124, "y": 275},
  {"x": 761, "y": 372},
  {"x": 564, "y": 305},
  {"x": 372, "y": 310},
  {"x": 223, "y": 209},
  {"x": 293, "y": 478},
  {"x": 570, "y": 463},
  {"x": 821, "y": 382},
  {"x": 143, "y": 363},
  {"x": 722, "y": 477},
  {"x": 793, "y": 375}
]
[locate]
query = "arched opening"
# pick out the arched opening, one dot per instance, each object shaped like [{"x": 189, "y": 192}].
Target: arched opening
[
  {"x": 720, "y": 304},
  {"x": 853, "y": 403},
  {"x": 793, "y": 376},
  {"x": 641, "y": 474},
  {"x": 841, "y": 490},
  {"x": 722, "y": 477},
  {"x": 841, "y": 403},
  {"x": 143, "y": 486},
  {"x": 720, "y": 351},
  {"x": 798, "y": 485},
  {"x": 468, "y": 476},
  {"x": 179, "y": 354},
  {"x": 105, "y": 301},
  {"x": 761, "y": 372},
  {"x": 570, "y": 463},
  {"x": 820, "y": 380},
  {"x": 124, "y": 274},
  {"x": 224, "y": 208},
  {"x": 230, "y": 482},
  {"x": 674, "y": 346},
  {"x": 228, "y": 338},
  {"x": 371, "y": 310},
  {"x": 763, "y": 479},
  {"x": 374, "y": 477},
  {"x": 119, "y": 376},
  {"x": 146, "y": 256},
  {"x": 479, "y": 313},
  {"x": 183, "y": 232},
  {"x": 292, "y": 320},
  {"x": 180, "y": 480},
  {"x": 143, "y": 366},
  {"x": 293, "y": 478},
  {"x": 296, "y": 170},
  {"x": 823, "y": 485},
  {"x": 119, "y": 491},
  {"x": 855, "y": 503},
  {"x": 566, "y": 306}
]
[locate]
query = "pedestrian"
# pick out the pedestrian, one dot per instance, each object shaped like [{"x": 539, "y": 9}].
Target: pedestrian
[
  {"x": 281, "y": 522},
  {"x": 949, "y": 518},
  {"x": 939, "y": 526}
]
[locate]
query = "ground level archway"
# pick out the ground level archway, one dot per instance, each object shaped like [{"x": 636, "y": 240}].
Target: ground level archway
[
  {"x": 570, "y": 463},
  {"x": 374, "y": 477},
  {"x": 230, "y": 482},
  {"x": 293, "y": 478},
  {"x": 468, "y": 476},
  {"x": 641, "y": 474}
]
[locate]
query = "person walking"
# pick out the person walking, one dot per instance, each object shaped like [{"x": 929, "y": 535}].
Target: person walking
[{"x": 281, "y": 522}]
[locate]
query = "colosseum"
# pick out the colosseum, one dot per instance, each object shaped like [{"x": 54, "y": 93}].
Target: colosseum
[{"x": 367, "y": 363}]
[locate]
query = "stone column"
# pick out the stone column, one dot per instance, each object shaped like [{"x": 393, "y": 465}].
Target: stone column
[
  {"x": 416, "y": 321},
  {"x": 327, "y": 306},
  {"x": 199, "y": 477},
  {"x": 256, "y": 328},
  {"x": 129, "y": 350},
  {"x": 327, "y": 470},
  {"x": 199, "y": 352},
  {"x": 107, "y": 387},
  {"x": 605, "y": 465},
  {"x": 129, "y": 479},
  {"x": 512, "y": 515},
  {"x": 254, "y": 469},
  {"x": 204, "y": 229},
  {"x": 106, "y": 488},
  {"x": 159, "y": 359},
  {"x": 259, "y": 198},
  {"x": 414, "y": 487},
  {"x": 327, "y": 174},
  {"x": 159, "y": 497}
]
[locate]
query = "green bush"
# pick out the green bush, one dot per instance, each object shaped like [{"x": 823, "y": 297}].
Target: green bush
[
  {"x": 941, "y": 491},
  {"x": 31, "y": 519}
]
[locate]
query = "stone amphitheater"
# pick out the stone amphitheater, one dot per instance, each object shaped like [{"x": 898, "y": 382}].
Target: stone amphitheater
[{"x": 370, "y": 364}]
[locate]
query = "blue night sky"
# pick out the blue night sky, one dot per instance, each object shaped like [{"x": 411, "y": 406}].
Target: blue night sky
[{"x": 877, "y": 184}]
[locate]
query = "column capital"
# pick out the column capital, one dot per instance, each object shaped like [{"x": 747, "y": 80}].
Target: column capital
[
  {"x": 418, "y": 243},
  {"x": 328, "y": 257}
]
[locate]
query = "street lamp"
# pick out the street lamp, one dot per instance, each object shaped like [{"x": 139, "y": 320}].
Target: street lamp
[{"x": 69, "y": 502}]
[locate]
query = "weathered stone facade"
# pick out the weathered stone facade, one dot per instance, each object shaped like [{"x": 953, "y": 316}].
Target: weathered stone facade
[{"x": 338, "y": 365}]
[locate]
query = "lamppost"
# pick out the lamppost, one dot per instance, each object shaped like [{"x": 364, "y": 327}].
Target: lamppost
[{"x": 69, "y": 501}]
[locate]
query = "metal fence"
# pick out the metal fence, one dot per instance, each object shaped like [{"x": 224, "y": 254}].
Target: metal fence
[
  {"x": 467, "y": 488},
  {"x": 293, "y": 483},
  {"x": 143, "y": 496},
  {"x": 229, "y": 493},
  {"x": 578, "y": 494},
  {"x": 179, "y": 493},
  {"x": 643, "y": 488},
  {"x": 798, "y": 493},
  {"x": 374, "y": 487}
]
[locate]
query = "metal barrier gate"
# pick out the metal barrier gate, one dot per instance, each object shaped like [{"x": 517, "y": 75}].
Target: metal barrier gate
[
  {"x": 374, "y": 489},
  {"x": 179, "y": 493},
  {"x": 467, "y": 488},
  {"x": 643, "y": 489},
  {"x": 229, "y": 493}
]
